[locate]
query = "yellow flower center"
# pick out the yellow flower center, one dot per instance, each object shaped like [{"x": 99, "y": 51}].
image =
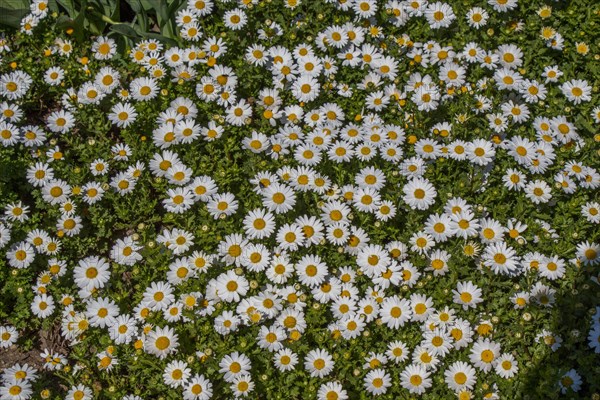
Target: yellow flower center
[{"x": 162, "y": 343}]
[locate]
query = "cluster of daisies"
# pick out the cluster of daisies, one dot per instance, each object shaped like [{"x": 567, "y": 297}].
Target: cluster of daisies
[{"x": 337, "y": 130}]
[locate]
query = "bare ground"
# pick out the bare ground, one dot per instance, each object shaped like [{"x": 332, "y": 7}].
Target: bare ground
[{"x": 44, "y": 339}]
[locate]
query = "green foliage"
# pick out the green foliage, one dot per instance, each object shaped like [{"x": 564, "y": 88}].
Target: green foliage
[
  {"x": 141, "y": 214},
  {"x": 11, "y": 13},
  {"x": 151, "y": 18}
]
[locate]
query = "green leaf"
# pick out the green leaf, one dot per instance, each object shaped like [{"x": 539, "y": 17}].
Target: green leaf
[
  {"x": 141, "y": 17},
  {"x": 160, "y": 38},
  {"x": 63, "y": 22},
  {"x": 69, "y": 5},
  {"x": 12, "y": 12},
  {"x": 583, "y": 122},
  {"x": 53, "y": 5},
  {"x": 135, "y": 5},
  {"x": 112, "y": 9},
  {"x": 79, "y": 22},
  {"x": 141, "y": 20},
  {"x": 175, "y": 6},
  {"x": 135, "y": 32},
  {"x": 11, "y": 18},
  {"x": 149, "y": 4},
  {"x": 95, "y": 23},
  {"x": 16, "y": 4},
  {"x": 124, "y": 29}
]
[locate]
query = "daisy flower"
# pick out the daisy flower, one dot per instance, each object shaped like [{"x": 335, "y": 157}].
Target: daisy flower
[
  {"x": 21, "y": 372},
  {"x": 533, "y": 91},
  {"x": 395, "y": 312},
  {"x": 480, "y": 152},
  {"x": 42, "y": 306},
  {"x": 143, "y": 89},
  {"x": 477, "y": 17},
  {"x": 91, "y": 273},
  {"x": 421, "y": 306},
  {"x": 179, "y": 200},
  {"x": 372, "y": 260},
  {"x": 255, "y": 257},
  {"x": 520, "y": 300},
  {"x": 415, "y": 379},
  {"x": 484, "y": 354},
  {"x": 577, "y": 91},
  {"x": 125, "y": 251},
  {"x": 32, "y": 136},
  {"x": 552, "y": 73},
  {"x": 285, "y": 360},
  {"x": 538, "y": 191},
  {"x": 591, "y": 211},
  {"x": 439, "y": 15},
  {"x": 467, "y": 294},
  {"x": 104, "y": 48},
  {"x": 231, "y": 287},
  {"x": 21, "y": 255},
  {"x": 552, "y": 268},
  {"x": 123, "y": 330},
  {"x": 158, "y": 296},
  {"x": 60, "y": 121},
  {"x": 370, "y": 177},
  {"x": 270, "y": 338},
  {"x": 225, "y": 323},
  {"x": 460, "y": 376},
  {"x": 331, "y": 390},
  {"x": 10, "y": 112},
  {"x": 377, "y": 381},
  {"x": 438, "y": 226},
  {"x": 161, "y": 342},
  {"x": 234, "y": 365},
  {"x": 312, "y": 227},
  {"x": 14, "y": 85},
  {"x": 463, "y": 224},
  {"x": 421, "y": 242},
  {"x": 54, "y": 76},
  {"x": 232, "y": 248},
  {"x": 503, "y": 5},
  {"x": 178, "y": 240},
  {"x": 37, "y": 238},
  {"x": 426, "y": 98},
  {"x": 197, "y": 387},
  {"x": 419, "y": 193},
  {"x": 202, "y": 187},
  {"x": 99, "y": 167},
  {"x": 238, "y": 113},
  {"x": 259, "y": 223},
  {"x": 506, "y": 78},
  {"x": 500, "y": 258},
  {"x": 279, "y": 198},
  {"x": 101, "y": 312},
  {"x": 491, "y": 230},
  {"x": 506, "y": 366},
  {"x": 510, "y": 56},
  {"x": 122, "y": 115},
  {"x": 318, "y": 363},
  {"x": 123, "y": 183},
  {"x": 311, "y": 270},
  {"x": 571, "y": 380},
  {"x": 235, "y": 19},
  {"x": 242, "y": 385},
  {"x": 397, "y": 351},
  {"x": 222, "y": 204},
  {"x": 16, "y": 212}
]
